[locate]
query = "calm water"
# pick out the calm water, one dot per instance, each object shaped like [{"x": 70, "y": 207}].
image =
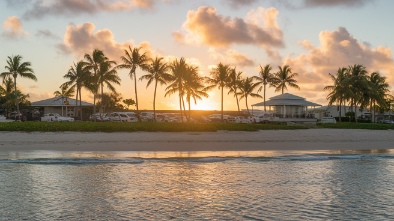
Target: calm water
[{"x": 197, "y": 186}]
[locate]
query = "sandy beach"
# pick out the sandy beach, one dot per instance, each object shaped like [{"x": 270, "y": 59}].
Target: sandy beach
[{"x": 311, "y": 139}]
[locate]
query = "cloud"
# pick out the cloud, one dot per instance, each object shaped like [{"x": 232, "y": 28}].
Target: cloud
[
  {"x": 46, "y": 34},
  {"x": 231, "y": 57},
  {"x": 12, "y": 28},
  {"x": 42, "y": 8},
  {"x": 206, "y": 26},
  {"x": 239, "y": 3},
  {"x": 331, "y": 3},
  {"x": 291, "y": 4},
  {"x": 82, "y": 39},
  {"x": 338, "y": 49}
]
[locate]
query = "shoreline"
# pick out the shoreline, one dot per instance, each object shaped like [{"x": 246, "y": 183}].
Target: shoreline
[{"x": 264, "y": 140}]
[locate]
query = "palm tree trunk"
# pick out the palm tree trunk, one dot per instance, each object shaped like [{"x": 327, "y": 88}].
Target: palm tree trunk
[
  {"x": 370, "y": 109},
  {"x": 222, "y": 106},
  {"x": 16, "y": 97},
  {"x": 154, "y": 102},
  {"x": 136, "y": 96},
  {"x": 180, "y": 106},
  {"x": 189, "y": 109},
  {"x": 94, "y": 106},
  {"x": 264, "y": 100},
  {"x": 236, "y": 97},
  {"x": 76, "y": 104},
  {"x": 246, "y": 101},
  {"x": 355, "y": 112},
  {"x": 80, "y": 102},
  {"x": 95, "y": 95},
  {"x": 374, "y": 108},
  {"x": 184, "y": 106},
  {"x": 102, "y": 95},
  {"x": 340, "y": 110}
]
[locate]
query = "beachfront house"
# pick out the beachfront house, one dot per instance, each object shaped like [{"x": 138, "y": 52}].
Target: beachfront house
[
  {"x": 290, "y": 108},
  {"x": 63, "y": 106}
]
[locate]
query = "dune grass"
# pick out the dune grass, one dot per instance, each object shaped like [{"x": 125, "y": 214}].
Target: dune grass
[{"x": 133, "y": 127}]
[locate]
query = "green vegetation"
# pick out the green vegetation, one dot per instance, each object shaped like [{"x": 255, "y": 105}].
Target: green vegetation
[
  {"x": 354, "y": 86},
  {"x": 350, "y": 125},
  {"x": 15, "y": 67},
  {"x": 134, "y": 127},
  {"x": 170, "y": 127}
]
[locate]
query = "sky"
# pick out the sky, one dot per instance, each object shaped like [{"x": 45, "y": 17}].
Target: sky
[{"x": 313, "y": 37}]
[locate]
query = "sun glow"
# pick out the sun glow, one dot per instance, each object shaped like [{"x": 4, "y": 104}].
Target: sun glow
[{"x": 205, "y": 104}]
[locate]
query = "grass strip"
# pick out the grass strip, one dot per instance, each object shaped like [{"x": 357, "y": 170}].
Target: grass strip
[{"x": 134, "y": 127}]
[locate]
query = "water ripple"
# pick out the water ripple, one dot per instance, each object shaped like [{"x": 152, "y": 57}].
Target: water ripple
[{"x": 293, "y": 187}]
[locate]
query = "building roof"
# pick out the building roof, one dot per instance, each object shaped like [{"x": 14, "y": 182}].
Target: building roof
[
  {"x": 58, "y": 102},
  {"x": 287, "y": 100}
]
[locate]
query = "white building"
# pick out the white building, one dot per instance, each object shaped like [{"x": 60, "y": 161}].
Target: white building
[
  {"x": 290, "y": 108},
  {"x": 63, "y": 106}
]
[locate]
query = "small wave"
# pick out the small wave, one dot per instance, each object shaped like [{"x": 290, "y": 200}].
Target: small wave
[
  {"x": 195, "y": 159},
  {"x": 207, "y": 159},
  {"x": 73, "y": 161},
  {"x": 322, "y": 157}
]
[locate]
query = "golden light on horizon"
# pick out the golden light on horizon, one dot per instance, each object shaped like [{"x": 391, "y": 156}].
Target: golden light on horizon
[{"x": 205, "y": 104}]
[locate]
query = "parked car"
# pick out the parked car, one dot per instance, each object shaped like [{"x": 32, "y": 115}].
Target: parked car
[
  {"x": 146, "y": 116},
  {"x": 204, "y": 119},
  {"x": 14, "y": 115},
  {"x": 218, "y": 118},
  {"x": 328, "y": 120},
  {"x": 123, "y": 117},
  {"x": 162, "y": 118},
  {"x": 175, "y": 117},
  {"x": 242, "y": 120},
  {"x": 50, "y": 117},
  {"x": 387, "y": 122},
  {"x": 100, "y": 117}
]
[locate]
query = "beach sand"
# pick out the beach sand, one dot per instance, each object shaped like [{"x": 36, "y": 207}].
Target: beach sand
[{"x": 310, "y": 139}]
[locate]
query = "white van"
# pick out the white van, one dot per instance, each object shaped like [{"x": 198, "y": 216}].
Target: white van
[
  {"x": 123, "y": 117},
  {"x": 146, "y": 116}
]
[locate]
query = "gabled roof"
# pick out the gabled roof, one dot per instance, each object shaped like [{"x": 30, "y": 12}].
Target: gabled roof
[
  {"x": 58, "y": 102},
  {"x": 287, "y": 100}
]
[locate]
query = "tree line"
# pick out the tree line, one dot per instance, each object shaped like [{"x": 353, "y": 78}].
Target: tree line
[
  {"x": 96, "y": 72},
  {"x": 356, "y": 87},
  {"x": 180, "y": 77}
]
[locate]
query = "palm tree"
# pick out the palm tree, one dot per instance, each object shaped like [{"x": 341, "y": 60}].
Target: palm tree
[
  {"x": 8, "y": 94},
  {"x": 178, "y": 69},
  {"x": 132, "y": 60},
  {"x": 379, "y": 93},
  {"x": 219, "y": 79},
  {"x": 64, "y": 92},
  {"x": 358, "y": 85},
  {"x": 107, "y": 75},
  {"x": 94, "y": 62},
  {"x": 339, "y": 91},
  {"x": 283, "y": 78},
  {"x": 247, "y": 88},
  {"x": 233, "y": 83},
  {"x": 158, "y": 72},
  {"x": 78, "y": 76},
  {"x": 194, "y": 87},
  {"x": 15, "y": 67},
  {"x": 265, "y": 78}
]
